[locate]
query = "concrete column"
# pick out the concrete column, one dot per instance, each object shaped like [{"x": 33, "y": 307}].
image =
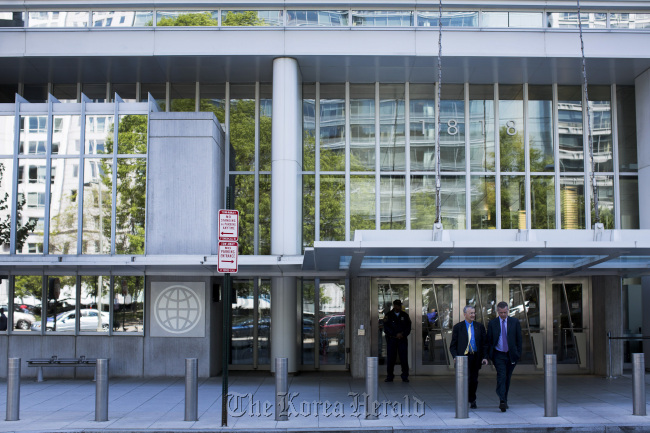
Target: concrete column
[
  {"x": 286, "y": 209},
  {"x": 607, "y": 302},
  {"x": 642, "y": 97},
  {"x": 359, "y": 344}
]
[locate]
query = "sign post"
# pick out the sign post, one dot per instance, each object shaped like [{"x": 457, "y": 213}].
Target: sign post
[{"x": 227, "y": 264}]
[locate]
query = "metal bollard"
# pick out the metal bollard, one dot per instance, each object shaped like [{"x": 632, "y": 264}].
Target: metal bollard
[
  {"x": 462, "y": 390},
  {"x": 638, "y": 378},
  {"x": 191, "y": 389},
  {"x": 13, "y": 389},
  {"x": 371, "y": 387},
  {"x": 281, "y": 389},
  {"x": 101, "y": 390},
  {"x": 550, "y": 385}
]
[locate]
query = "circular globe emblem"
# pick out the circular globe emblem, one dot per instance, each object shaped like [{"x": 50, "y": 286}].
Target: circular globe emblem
[{"x": 177, "y": 309}]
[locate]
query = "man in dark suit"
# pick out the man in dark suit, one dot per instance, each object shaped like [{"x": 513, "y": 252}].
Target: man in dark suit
[
  {"x": 397, "y": 326},
  {"x": 505, "y": 346},
  {"x": 468, "y": 338}
]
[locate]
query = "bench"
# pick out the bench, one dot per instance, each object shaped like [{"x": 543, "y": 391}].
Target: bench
[{"x": 55, "y": 361}]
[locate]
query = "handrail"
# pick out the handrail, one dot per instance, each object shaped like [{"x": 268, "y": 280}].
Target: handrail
[{"x": 629, "y": 337}]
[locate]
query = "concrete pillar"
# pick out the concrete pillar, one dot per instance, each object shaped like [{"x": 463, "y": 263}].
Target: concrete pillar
[
  {"x": 359, "y": 344},
  {"x": 286, "y": 209},
  {"x": 642, "y": 97},
  {"x": 607, "y": 309}
]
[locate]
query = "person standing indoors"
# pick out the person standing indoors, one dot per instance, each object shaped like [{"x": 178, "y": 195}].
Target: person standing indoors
[
  {"x": 397, "y": 326},
  {"x": 504, "y": 346},
  {"x": 468, "y": 338}
]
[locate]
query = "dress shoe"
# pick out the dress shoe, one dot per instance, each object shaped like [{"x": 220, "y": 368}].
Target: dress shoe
[
  {"x": 503, "y": 406},
  {"x": 388, "y": 379},
  {"x": 405, "y": 379},
  {"x": 472, "y": 404}
]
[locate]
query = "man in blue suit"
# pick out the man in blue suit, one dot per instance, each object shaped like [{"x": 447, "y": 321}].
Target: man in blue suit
[
  {"x": 504, "y": 346},
  {"x": 468, "y": 339}
]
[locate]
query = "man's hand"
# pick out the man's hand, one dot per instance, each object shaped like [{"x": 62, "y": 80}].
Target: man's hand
[{"x": 399, "y": 335}]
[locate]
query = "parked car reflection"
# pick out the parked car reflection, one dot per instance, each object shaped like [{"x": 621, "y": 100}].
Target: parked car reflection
[
  {"x": 66, "y": 321},
  {"x": 22, "y": 318}
]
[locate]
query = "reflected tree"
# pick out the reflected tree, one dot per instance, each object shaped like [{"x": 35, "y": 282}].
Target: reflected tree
[{"x": 22, "y": 230}]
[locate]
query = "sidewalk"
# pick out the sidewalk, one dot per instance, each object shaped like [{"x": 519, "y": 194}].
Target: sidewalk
[{"x": 585, "y": 403}]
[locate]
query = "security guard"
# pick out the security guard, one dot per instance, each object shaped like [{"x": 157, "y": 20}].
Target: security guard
[{"x": 397, "y": 326}]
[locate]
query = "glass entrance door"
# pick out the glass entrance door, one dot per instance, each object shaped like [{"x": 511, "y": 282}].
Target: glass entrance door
[
  {"x": 386, "y": 292},
  {"x": 483, "y": 295},
  {"x": 569, "y": 316},
  {"x": 526, "y": 301}
]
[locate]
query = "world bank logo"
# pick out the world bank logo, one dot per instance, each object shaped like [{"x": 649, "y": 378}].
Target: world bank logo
[{"x": 177, "y": 309}]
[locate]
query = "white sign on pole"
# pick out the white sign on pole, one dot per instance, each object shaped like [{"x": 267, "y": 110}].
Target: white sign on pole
[
  {"x": 228, "y": 225},
  {"x": 228, "y": 252}
]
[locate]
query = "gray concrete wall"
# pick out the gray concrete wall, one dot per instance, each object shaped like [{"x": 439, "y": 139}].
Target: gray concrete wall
[
  {"x": 607, "y": 309},
  {"x": 185, "y": 183},
  {"x": 4, "y": 343},
  {"x": 360, "y": 307}
]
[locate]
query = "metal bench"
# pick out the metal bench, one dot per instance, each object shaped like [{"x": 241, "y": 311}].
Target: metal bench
[{"x": 55, "y": 361}]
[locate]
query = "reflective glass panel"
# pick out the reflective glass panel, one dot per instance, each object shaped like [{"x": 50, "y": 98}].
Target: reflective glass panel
[
  {"x": 570, "y": 128},
  {"x": 308, "y": 337},
  {"x": 99, "y": 133},
  {"x": 362, "y": 203},
  {"x": 60, "y": 302},
  {"x": 542, "y": 202},
  {"x": 58, "y": 19},
  {"x": 482, "y": 297},
  {"x": 265, "y": 214},
  {"x": 601, "y": 127},
  {"x": 28, "y": 295},
  {"x": 132, "y": 135},
  {"x": 182, "y": 96},
  {"x": 362, "y": 127},
  {"x": 242, "y": 323},
  {"x": 525, "y": 19},
  {"x": 513, "y": 202},
  {"x": 242, "y": 126},
  {"x": 437, "y": 306},
  {"x": 422, "y": 129},
  {"x": 122, "y": 18},
  {"x": 570, "y": 20},
  {"x": 606, "y": 203},
  {"x": 213, "y": 98},
  {"x": 392, "y": 203},
  {"x": 629, "y": 202},
  {"x": 6, "y": 203},
  {"x": 569, "y": 340},
  {"x": 452, "y": 128},
  {"x": 66, "y": 135},
  {"x": 128, "y": 303},
  {"x": 130, "y": 205},
  {"x": 392, "y": 140},
  {"x": 629, "y": 21},
  {"x": 64, "y": 206},
  {"x": 483, "y": 202},
  {"x": 382, "y": 18},
  {"x": 494, "y": 19},
  {"x": 33, "y": 135},
  {"x": 540, "y": 128},
  {"x": 511, "y": 128},
  {"x": 308, "y": 127},
  {"x": 452, "y": 202},
  {"x": 626, "y": 127},
  {"x": 449, "y": 19},
  {"x": 481, "y": 127},
  {"x": 524, "y": 305},
  {"x": 572, "y": 202},
  {"x": 266, "y": 112},
  {"x": 194, "y": 18},
  {"x": 252, "y": 18},
  {"x": 7, "y": 135},
  {"x": 331, "y": 322},
  {"x": 95, "y": 303},
  {"x": 332, "y": 127},
  {"x": 332, "y": 208},
  {"x": 264, "y": 323},
  {"x": 31, "y": 193},
  {"x": 98, "y": 185},
  {"x": 304, "y": 18},
  {"x": 12, "y": 19},
  {"x": 452, "y": 199},
  {"x": 245, "y": 202},
  {"x": 308, "y": 210}
]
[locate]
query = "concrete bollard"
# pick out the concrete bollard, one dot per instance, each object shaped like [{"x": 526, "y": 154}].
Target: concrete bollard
[
  {"x": 372, "y": 369},
  {"x": 638, "y": 379},
  {"x": 550, "y": 385},
  {"x": 462, "y": 390},
  {"x": 281, "y": 389},
  {"x": 191, "y": 389},
  {"x": 101, "y": 390},
  {"x": 13, "y": 389}
]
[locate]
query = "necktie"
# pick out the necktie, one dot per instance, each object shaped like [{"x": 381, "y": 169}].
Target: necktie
[
  {"x": 504, "y": 338},
  {"x": 469, "y": 340}
]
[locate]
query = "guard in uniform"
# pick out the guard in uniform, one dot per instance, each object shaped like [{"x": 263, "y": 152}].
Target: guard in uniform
[{"x": 397, "y": 326}]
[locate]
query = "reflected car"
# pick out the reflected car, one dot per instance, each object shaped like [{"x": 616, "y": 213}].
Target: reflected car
[
  {"x": 66, "y": 321},
  {"x": 22, "y": 320},
  {"x": 330, "y": 326}
]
